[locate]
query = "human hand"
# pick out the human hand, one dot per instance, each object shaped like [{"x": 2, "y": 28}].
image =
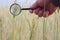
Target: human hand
[{"x": 38, "y": 7}]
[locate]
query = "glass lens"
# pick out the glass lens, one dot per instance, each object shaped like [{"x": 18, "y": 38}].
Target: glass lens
[{"x": 15, "y": 9}]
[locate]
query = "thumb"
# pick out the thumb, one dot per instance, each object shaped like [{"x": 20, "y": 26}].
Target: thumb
[{"x": 33, "y": 6}]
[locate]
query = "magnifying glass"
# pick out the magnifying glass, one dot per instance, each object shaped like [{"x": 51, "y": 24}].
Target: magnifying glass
[{"x": 15, "y": 9}]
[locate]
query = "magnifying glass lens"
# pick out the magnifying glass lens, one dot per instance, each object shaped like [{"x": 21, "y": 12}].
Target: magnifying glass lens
[{"x": 15, "y": 9}]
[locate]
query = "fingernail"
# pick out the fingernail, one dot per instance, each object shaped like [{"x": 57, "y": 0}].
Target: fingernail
[{"x": 31, "y": 11}]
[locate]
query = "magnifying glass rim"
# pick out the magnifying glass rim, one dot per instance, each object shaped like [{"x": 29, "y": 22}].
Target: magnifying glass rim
[{"x": 11, "y": 8}]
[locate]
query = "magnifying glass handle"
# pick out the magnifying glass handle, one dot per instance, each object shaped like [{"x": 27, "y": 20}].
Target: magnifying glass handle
[
  {"x": 27, "y": 9},
  {"x": 30, "y": 8}
]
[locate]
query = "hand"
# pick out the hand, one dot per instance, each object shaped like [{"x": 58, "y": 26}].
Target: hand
[{"x": 38, "y": 7}]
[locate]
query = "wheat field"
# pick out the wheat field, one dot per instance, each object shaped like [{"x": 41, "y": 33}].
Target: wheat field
[{"x": 28, "y": 26}]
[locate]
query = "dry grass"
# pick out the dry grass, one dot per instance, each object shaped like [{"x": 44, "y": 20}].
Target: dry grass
[{"x": 20, "y": 27}]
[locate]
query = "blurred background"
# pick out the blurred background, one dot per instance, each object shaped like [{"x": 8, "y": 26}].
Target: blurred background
[{"x": 27, "y": 26}]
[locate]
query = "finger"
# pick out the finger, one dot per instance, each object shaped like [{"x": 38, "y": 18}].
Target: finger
[
  {"x": 34, "y": 6},
  {"x": 51, "y": 8},
  {"x": 31, "y": 11},
  {"x": 40, "y": 14},
  {"x": 36, "y": 11},
  {"x": 46, "y": 14}
]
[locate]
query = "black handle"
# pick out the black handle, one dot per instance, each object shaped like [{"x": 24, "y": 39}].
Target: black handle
[
  {"x": 27, "y": 9},
  {"x": 30, "y": 8}
]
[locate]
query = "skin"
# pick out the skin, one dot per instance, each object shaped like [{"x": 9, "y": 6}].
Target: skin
[{"x": 38, "y": 7}]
